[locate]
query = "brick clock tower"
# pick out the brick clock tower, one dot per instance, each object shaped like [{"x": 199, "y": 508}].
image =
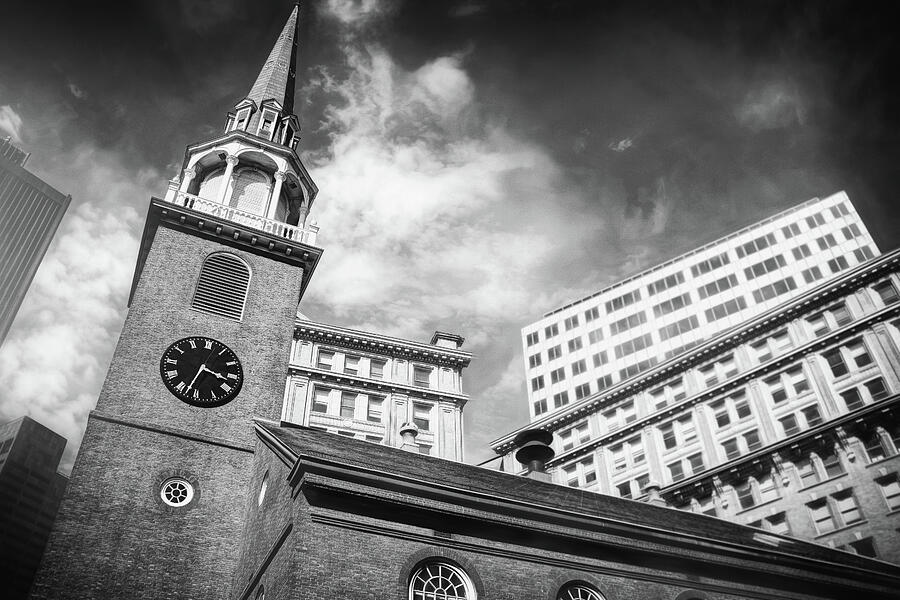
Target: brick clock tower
[{"x": 157, "y": 498}]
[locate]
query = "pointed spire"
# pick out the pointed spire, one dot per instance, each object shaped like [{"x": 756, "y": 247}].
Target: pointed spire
[{"x": 276, "y": 78}]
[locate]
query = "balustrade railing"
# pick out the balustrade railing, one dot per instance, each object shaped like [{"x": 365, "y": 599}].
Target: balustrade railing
[{"x": 304, "y": 235}]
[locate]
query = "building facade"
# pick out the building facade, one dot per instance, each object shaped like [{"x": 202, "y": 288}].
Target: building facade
[
  {"x": 788, "y": 422},
  {"x": 30, "y": 213},
  {"x": 627, "y": 328},
  {"x": 30, "y": 492},
  {"x": 368, "y": 386}
]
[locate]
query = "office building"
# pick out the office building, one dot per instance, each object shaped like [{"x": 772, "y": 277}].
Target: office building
[
  {"x": 629, "y": 327},
  {"x": 789, "y": 422},
  {"x": 368, "y": 386},
  {"x": 30, "y": 492},
  {"x": 30, "y": 212}
]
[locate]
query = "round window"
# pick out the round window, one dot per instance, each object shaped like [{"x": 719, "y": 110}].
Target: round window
[{"x": 176, "y": 492}]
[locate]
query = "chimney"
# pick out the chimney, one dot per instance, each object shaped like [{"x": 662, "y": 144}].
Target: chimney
[
  {"x": 408, "y": 433},
  {"x": 447, "y": 340},
  {"x": 534, "y": 451},
  {"x": 653, "y": 496}
]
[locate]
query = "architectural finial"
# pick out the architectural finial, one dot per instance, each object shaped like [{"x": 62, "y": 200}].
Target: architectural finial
[
  {"x": 277, "y": 77},
  {"x": 408, "y": 433}
]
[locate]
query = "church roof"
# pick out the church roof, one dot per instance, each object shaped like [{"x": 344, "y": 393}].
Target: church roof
[
  {"x": 303, "y": 444},
  {"x": 276, "y": 78}
]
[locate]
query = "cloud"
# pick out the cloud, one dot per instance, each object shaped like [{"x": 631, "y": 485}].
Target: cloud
[
  {"x": 621, "y": 145},
  {"x": 355, "y": 13},
  {"x": 11, "y": 123},
  {"x": 54, "y": 360},
  {"x": 773, "y": 106},
  {"x": 77, "y": 91}
]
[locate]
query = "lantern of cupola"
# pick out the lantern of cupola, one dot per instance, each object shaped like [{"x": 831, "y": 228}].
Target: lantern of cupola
[{"x": 252, "y": 173}]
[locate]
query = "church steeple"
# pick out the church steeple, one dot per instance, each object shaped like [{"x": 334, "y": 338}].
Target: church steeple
[
  {"x": 253, "y": 169},
  {"x": 277, "y": 76}
]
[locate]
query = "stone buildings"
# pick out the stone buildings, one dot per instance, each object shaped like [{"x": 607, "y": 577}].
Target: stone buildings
[
  {"x": 787, "y": 421},
  {"x": 30, "y": 212}
]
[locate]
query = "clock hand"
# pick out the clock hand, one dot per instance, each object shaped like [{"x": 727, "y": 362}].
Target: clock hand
[
  {"x": 200, "y": 370},
  {"x": 219, "y": 375}
]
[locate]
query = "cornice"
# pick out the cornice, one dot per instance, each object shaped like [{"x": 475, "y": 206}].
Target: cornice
[
  {"x": 383, "y": 387},
  {"x": 229, "y": 233},
  {"x": 380, "y": 344},
  {"x": 836, "y": 287}
]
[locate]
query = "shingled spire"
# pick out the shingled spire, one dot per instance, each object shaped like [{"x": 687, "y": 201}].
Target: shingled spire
[{"x": 276, "y": 78}]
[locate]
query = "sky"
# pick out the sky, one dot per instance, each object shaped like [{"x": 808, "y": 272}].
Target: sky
[{"x": 479, "y": 162}]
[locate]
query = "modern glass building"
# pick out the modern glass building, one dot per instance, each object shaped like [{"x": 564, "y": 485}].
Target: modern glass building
[{"x": 30, "y": 212}]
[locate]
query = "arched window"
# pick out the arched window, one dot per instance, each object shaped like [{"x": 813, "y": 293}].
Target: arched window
[
  {"x": 578, "y": 591},
  {"x": 209, "y": 187},
  {"x": 222, "y": 286},
  {"x": 440, "y": 581},
  {"x": 251, "y": 191}
]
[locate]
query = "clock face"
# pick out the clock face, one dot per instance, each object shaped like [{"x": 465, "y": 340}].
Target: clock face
[{"x": 201, "y": 371}]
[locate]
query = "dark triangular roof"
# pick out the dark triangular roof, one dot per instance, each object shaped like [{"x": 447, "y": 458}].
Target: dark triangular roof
[
  {"x": 305, "y": 443},
  {"x": 276, "y": 78}
]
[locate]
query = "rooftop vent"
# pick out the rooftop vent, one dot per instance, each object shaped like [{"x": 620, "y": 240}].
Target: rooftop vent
[{"x": 534, "y": 451}]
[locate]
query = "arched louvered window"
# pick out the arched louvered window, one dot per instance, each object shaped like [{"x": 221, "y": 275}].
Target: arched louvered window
[
  {"x": 578, "y": 591},
  {"x": 440, "y": 581},
  {"x": 251, "y": 191},
  {"x": 209, "y": 187},
  {"x": 222, "y": 288}
]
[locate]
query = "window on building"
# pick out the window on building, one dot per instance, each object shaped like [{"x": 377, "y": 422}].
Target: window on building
[
  {"x": 751, "y": 440},
  {"x": 320, "y": 400},
  {"x": 665, "y": 283},
  {"x": 623, "y": 301},
  {"x": 551, "y": 330},
  {"x": 731, "y": 448},
  {"x": 677, "y": 328},
  {"x": 711, "y": 264},
  {"x": 800, "y": 252},
  {"x": 720, "y": 311},
  {"x": 560, "y": 399},
  {"x": 876, "y": 447},
  {"x": 582, "y": 473},
  {"x": 778, "y": 523},
  {"x": 537, "y": 383},
  {"x": 731, "y": 409},
  {"x": 595, "y": 336},
  {"x": 376, "y": 368},
  {"x": 633, "y": 345},
  {"x": 628, "y": 454},
  {"x": 619, "y": 416},
  {"x": 600, "y": 359},
  {"x": 626, "y": 323},
  {"x": 756, "y": 245},
  {"x": 812, "y": 415},
  {"x": 775, "y": 289},
  {"x": 815, "y": 220},
  {"x": 422, "y": 376},
  {"x": 863, "y": 547},
  {"x": 571, "y": 322},
  {"x": 441, "y": 580},
  {"x": 766, "y": 266},
  {"x": 540, "y": 406},
  {"x": 243, "y": 116},
  {"x": 821, "y": 515},
  {"x": 591, "y": 314},
  {"x": 890, "y": 490},
  {"x": 351, "y": 364},
  {"x": 534, "y": 361},
  {"x": 852, "y": 399},
  {"x": 839, "y": 210},
  {"x": 832, "y": 464},
  {"x": 582, "y": 391},
  {"x": 532, "y": 338},
  {"x": 791, "y": 230},
  {"x": 806, "y": 470},
  {"x": 836, "y": 362},
  {"x": 374, "y": 408},
  {"x": 887, "y": 292},
  {"x": 789, "y": 425},
  {"x": 557, "y": 375},
  {"x": 575, "y": 344},
  {"x": 672, "y": 304},
  {"x": 744, "y": 493},
  {"x": 811, "y": 274},
  {"x": 863, "y": 254},
  {"x": 838, "y": 264},
  {"x": 348, "y": 405},
  {"x": 718, "y": 286},
  {"x": 876, "y": 388},
  {"x": 422, "y": 416},
  {"x": 847, "y": 507},
  {"x": 573, "y": 436},
  {"x": 579, "y": 366},
  {"x": 718, "y": 371},
  {"x": 604, "y": 382},
  {"x": 851, "y": 231},
  {"x": 325, "y": 360},
  {"x": 826, "y": 241},
  {"x": 553, "y": 353}
]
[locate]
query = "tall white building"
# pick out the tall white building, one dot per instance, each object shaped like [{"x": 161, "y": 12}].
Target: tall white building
[{"x": 629, "y": 327}]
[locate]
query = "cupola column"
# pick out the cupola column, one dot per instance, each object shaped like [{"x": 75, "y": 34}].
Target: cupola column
[
  {"x": 230, "y": 163},
  {"x": 187, "y": 178},
  {"x": 276, "y": 194}
]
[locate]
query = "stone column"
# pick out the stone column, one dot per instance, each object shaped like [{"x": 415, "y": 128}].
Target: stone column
[
  {"x": 188, "y": 176},
  {"x": 759, "y": 400},
  {"x": 230, "y": 163},
  {"x": 276, "y": 194},
  {"x": 886, "y": 354}
]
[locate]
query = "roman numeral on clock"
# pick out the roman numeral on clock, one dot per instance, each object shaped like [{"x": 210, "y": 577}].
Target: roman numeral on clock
[
  {"x": 171, "y": 374},
  {"x": 225, "y": 387},
  {"x": 208, "y": 344}
]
